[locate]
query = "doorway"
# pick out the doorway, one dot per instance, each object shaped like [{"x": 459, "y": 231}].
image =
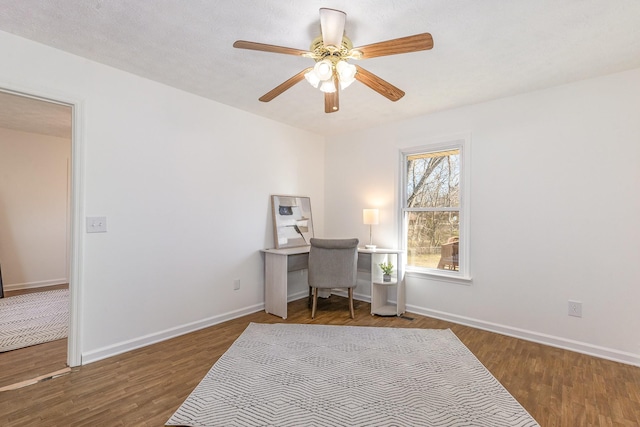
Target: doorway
[{"x": 33, "y": 120}]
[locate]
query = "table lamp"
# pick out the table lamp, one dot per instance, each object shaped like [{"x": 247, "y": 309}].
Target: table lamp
[{"x": 370, "y": 217}]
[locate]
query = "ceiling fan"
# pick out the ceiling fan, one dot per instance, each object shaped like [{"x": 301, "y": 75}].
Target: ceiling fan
[{"x": 331, "y": 51}]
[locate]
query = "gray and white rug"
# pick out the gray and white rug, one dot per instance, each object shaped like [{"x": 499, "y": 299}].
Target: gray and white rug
[
  {"x": 36, "y": 318},
  {"x": 320, "y": 375}
]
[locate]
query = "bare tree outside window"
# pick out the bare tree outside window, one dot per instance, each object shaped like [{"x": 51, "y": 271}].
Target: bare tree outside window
[{"x": 432, "y": 209}]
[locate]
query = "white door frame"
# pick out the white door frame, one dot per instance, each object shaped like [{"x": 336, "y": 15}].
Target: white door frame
[{"x": 74, "y": 347}]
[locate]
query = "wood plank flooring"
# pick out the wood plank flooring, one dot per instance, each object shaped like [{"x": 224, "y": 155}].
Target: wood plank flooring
[{"x": 144, "y": 387}]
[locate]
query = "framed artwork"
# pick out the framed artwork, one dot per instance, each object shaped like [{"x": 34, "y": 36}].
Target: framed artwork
[{"x": 292, "y": 221}]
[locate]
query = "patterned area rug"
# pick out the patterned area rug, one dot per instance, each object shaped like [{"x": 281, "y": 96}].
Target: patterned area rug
[
  {"x": 319, "y": 375},
  {"x": 35, "y": 318}
]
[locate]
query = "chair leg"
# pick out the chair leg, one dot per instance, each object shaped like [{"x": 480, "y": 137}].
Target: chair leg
[
  {"x": 315, "y": 303},
  {"x": 351, "y": 311},
  {"x": 310, "y": 297}
]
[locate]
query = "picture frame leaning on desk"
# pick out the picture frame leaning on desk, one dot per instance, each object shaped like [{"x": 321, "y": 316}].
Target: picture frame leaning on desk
[{"x": 292, "y": 221}]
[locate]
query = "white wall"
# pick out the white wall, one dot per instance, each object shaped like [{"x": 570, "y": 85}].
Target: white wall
[
  {"x": 184, "y": 183},
  {"x": 554, "y": 211},
  {"x": 33, "y": 209}
]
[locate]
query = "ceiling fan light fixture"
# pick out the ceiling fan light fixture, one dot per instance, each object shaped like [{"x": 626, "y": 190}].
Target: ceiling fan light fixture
[
  {"x": 323, "y": 70},
  {"x": 344, "y": 85},
  {"x": 312, "y": 78},
  {"x": 346, "y": 73},
  {"x": 328, "y": 86}
]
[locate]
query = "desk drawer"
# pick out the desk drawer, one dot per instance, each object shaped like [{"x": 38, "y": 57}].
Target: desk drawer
[
  {"x": 297, "y": 262},
  {"x": 364, "y": 262}
]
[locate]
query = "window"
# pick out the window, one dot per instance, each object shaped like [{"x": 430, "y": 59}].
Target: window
[{"x": 434, "y": 210}]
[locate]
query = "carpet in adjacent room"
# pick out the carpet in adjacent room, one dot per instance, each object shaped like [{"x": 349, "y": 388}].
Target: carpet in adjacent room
[{"x": 33, "y": 318}]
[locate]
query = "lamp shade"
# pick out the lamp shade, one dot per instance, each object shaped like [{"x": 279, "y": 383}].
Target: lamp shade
[{"x": 370, "y": 216}]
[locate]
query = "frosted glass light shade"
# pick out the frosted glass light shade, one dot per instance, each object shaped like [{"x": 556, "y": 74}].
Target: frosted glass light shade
[
  {"x": 328, "y": 86},
  {"x": 312, "y": 78},
  {"x": 323, "y": 69},
  {"x": 370, "y": 216},
  {"x": 346, "y": 73}
]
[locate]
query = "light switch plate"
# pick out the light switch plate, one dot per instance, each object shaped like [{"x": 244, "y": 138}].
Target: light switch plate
[{"x": 96, "y": 224}]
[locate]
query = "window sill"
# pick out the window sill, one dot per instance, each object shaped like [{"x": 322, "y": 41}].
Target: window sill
[{"x": 443, "y": 277}]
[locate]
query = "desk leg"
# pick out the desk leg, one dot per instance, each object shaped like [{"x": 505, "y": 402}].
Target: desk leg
[{"x": 275, "y": 284}]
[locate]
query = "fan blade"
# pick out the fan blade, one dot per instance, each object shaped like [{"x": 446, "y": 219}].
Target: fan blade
[
  {"x": 384, "y": 88},
  {"x": 332, "y": 25},
  {"x": 242, "y": 44},
  {"x": 284, "y": 86},
  {"x": 407, "y": 44},
  {"x": 332, "y": 101}
]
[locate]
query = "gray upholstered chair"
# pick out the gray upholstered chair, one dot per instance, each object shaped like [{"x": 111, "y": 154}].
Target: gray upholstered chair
[{"x": 333, "y": 264}]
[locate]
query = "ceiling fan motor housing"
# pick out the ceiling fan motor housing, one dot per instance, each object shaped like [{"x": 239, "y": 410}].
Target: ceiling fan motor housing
[{"x": 333, "y": 53}]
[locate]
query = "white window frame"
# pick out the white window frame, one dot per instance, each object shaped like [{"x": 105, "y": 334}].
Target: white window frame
[{"x": 462, "y": 143}]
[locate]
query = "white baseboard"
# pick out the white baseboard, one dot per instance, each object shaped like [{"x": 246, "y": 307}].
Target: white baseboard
[
  {"x": 133, "y": 344},
  {"x": 298, "y": 295},
  {"x": 356, "y": 296},
  {"x": 33, "y": 285},
  {"x": 550, "y": 340},
  {"x": 579, "y": 347},
  {"x": 359, "y": 297},
  {"x": 123, "y": 347}
]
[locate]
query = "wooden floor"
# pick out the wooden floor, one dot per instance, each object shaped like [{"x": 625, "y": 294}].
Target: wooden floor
[{"x": 144, "y": 387}]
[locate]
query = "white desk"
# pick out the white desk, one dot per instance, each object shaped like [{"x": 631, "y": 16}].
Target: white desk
[{"x": 279, "y": 262}]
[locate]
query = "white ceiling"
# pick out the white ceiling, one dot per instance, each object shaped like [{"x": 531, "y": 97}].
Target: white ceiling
[{"x": 482, "y": 49}]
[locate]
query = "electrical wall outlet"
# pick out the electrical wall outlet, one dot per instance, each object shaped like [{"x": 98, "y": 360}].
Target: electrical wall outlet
[
  {"x": 575, "y": 308},
  {"x": 96, "y": 224},
  {"x": 236, "y": 284}
]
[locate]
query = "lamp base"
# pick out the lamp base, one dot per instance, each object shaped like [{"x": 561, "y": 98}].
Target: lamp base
[{"x": 371, "y": 247}]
